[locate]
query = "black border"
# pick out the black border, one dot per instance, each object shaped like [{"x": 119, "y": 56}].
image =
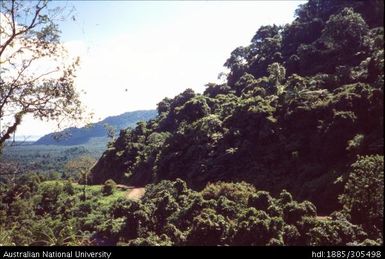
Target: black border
[{"x": 294, "y": 252}]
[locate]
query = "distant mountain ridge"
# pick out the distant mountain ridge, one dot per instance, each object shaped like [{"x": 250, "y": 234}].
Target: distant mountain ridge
[{"x": 79, "y": 136}]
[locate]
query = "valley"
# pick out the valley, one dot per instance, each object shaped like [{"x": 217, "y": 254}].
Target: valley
[{"x": 287, "y": 149}]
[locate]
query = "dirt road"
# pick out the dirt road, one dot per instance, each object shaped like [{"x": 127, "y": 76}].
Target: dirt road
[{"x": 135, "y": 193}]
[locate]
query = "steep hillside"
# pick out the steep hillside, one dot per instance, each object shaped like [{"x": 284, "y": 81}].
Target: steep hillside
[
  {"x": 300, "y": 103},
  {"x": 79, "y": 136}
]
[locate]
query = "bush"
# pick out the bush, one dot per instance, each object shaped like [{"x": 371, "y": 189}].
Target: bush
[
  {"x": 238, "y": 192},
  {"x": 363, "y": 197},
  {"x": 152, "y": 240},
  {"x": 261, "y": 200},
  {"x": 338, "y": 232},
  {"x": 285, "y": 197},
  {"x": 291, "y": 235},
  {"x": 108, "y": 187},
  {"x": 208, "y": 228},
  {"x": 69, "y": 188},
  {"x": 293, "y": 212}
]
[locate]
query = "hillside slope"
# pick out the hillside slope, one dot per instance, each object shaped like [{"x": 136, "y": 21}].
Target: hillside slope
[
  {"x": 79, "y": 136},
  {"x": 300, "y": 103}
]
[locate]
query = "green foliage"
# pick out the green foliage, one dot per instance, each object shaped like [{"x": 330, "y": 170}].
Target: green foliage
[
  {"x": 151, "y": 240},
  {"x": 237, "y": 192},
  {"x": 35, "y": 211},
  {"x": 299, "y": 104},
  {"x": 69, "y": 188},
  {"x": 261, "y": 200},
  {"x": 108, "y": 187},
  {"x": 30, "y": 35},
  {"x": 169, "y": 213},
  {"x": 208, "y": 228},
  {"x": 346, "y": 29},
  {"x": 363, "y": 197}
]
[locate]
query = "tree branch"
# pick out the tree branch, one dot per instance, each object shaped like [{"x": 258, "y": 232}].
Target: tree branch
[
  {"x": 12, "y": 129},
  {"x": 31, "y": 26}
]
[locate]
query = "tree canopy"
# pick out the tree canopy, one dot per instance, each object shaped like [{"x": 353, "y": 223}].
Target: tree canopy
[
  {"x": 301, "y": 101},
  {"x": 37, "y": 76},
  {"x": 287, "y": 151}
]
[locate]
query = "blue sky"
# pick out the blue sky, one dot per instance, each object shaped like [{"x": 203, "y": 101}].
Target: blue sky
[{"x": 154, "y": 49}]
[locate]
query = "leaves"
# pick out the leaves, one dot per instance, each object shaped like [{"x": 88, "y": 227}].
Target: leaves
[
  {"x": 363, "y": 197},
  {"x": 37, "y": 76}
]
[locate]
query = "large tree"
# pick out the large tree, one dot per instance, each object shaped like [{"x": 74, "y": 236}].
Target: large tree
[{"x": 36, "y": 73}]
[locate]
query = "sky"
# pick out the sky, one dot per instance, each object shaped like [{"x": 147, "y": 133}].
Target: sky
[{"x": 133, "y": 54}]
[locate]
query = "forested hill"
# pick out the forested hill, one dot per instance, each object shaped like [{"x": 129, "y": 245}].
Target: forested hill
[
  {"x": 300, "y": 103},
  {"x": 79, "y": 136}
]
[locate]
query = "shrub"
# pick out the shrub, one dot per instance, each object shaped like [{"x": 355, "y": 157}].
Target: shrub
[
  {"x": 261, "y": 200},
  {"x": 108, "y": 187},
  {"x": 363, "y": 197}
]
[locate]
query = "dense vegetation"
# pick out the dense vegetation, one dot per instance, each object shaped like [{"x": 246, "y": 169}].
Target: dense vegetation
[
  {"x": 51, "y": 153},
  {"x": 37, "y": 211},
  {"x": 48, "y": 159},
  {"x": 287, "y": 151},
  {"x": 298, "y": 106}
]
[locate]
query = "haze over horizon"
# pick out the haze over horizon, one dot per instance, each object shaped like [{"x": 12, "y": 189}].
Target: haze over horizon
[{"x": 133, "y": 54}]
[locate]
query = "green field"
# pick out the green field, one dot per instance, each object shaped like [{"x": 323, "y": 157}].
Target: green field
[{"x": 50, "y": 158}]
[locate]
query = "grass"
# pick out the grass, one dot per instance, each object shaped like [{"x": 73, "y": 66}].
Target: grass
[
  {"x": 93, "y": 191},
  {"x": 52, "y": 182},
  {"x": 96, "y": 191},
  {"x": 89, "y": 188},
  {"x": 104, "y": 200}
]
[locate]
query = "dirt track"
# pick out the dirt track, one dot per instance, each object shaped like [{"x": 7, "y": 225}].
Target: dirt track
[{"x": 135, "y": 193}]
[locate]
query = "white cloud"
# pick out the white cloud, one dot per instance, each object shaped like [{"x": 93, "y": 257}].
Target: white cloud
[{"x": 164, "y": 59}]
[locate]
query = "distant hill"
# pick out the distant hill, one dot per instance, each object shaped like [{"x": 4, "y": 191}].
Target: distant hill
[{"x": 80, "y": 136}]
